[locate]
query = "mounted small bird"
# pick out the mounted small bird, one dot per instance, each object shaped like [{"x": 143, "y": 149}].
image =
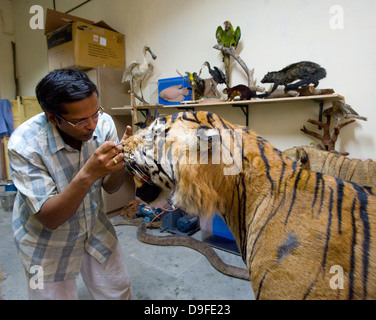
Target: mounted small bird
[
  {"x": 138, "y": 72},
  {"x": 200, "y": 84},
  {"x": 197, "y": 83},
  {"x": 342, "y": 111},
  {"x": 217, "y": 74}
]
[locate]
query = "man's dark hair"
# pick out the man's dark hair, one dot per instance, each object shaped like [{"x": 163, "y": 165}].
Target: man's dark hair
[{"x": 63, "y": 86}]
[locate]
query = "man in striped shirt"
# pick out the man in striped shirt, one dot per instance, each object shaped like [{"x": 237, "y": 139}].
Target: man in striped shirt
[{"x": 60, "y": 160}]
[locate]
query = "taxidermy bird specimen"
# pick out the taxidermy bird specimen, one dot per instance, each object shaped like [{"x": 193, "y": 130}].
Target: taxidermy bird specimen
[
  {"x": 189, "y": 78},
  {"x": 339, "y": 111},
  {"x": 228, "y": 37},
  {"x": 204, "y": 88},
  {"x": 197, "y": 83},
  {"x": 200, "y": 83},
  {"x": 149, "y": 119},
  {"x": 342, "y": 111},
  {"x": 138, "y": 72},
  {"x": 216, "y": 73},
  {"x": 304, "y": 72}
]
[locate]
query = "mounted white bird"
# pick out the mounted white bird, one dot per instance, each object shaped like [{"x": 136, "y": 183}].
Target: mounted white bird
[{"x": 138, "y": 72}]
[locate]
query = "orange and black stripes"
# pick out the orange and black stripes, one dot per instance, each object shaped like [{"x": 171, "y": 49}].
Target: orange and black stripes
[
  {"x": 352, "y": 255},
  {"x": 279, "y": 213},
  {"x": 325, "y": 199},
  {"x": 363, "y": 202}
]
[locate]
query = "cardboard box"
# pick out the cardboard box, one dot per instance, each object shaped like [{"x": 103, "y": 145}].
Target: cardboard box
[{"x": 81, "y": 43}]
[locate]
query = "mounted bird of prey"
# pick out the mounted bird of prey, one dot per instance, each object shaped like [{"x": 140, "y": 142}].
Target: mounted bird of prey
[
  {"x": 342, "y": 111},
  {"x": 138, "y": 72},
  {"x": 228, "y": 37}
]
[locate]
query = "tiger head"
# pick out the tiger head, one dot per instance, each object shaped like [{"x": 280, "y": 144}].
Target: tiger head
[{"x": 182, "y": 157}]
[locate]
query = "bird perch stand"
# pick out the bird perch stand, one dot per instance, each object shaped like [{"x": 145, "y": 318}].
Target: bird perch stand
[
  {"x": 231, "y": 51},
  {"x": 143, "y": 107},
  {"x": 134, "y": 107},
  {"x": 327, "y": 139}
]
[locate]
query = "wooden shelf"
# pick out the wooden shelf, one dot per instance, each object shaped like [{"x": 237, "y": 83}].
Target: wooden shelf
[
  {"x": 243, "y": 104},
  {"x": 121, "y": 111},
  {"x": 324, "y": 97}
]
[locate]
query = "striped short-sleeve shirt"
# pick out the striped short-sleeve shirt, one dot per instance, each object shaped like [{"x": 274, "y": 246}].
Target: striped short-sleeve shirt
[{"x": 42, "y": 166}]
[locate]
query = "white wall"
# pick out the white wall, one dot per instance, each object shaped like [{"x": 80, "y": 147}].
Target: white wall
[
  {"x": 274, "y": 34},
  {"x": 31, "y": 47}
]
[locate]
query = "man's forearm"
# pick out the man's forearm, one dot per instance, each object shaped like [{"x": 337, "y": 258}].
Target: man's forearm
[
  {"x": 113, "y": 181},
  {"x": 58, "y": 209}
]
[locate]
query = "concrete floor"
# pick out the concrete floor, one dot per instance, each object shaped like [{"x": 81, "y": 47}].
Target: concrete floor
[{"x": 157, "y": 273}]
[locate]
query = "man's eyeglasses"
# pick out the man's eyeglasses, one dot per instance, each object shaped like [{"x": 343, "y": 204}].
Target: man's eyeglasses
[{"x": 83, "y": 123}]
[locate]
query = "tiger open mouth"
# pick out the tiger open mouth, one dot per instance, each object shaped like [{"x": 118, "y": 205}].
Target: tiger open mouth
[{"x": 146, "y": 189}]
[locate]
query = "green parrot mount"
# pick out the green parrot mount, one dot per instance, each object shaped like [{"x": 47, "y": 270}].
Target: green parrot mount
[{"x": 228, "y": 37}]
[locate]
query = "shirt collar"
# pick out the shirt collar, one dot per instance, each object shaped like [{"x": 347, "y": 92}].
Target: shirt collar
[{"x": 56, "y": 142}]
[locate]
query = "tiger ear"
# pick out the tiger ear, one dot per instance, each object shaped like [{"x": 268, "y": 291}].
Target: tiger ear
[
  {"x": 303, "y": 156},
  {"x": 156, "y": 113}
]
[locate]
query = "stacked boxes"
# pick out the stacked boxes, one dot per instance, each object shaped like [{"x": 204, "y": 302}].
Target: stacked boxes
[{"x": 81, "y": 43}]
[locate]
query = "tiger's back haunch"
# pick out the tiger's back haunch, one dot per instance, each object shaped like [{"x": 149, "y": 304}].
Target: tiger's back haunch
[{"x": 303, "y": 235}]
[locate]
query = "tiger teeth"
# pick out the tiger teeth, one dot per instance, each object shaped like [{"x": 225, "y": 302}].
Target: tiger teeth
[{"x": 137, "y": 182}]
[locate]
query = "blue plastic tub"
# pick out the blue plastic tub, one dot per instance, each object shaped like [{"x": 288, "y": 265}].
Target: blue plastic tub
[
  {"x": 220, "y": 228},
  {"x": 169, "y": 82},
  {"x": 7, "y": 185},
  {"x": 10, "y": 187}
]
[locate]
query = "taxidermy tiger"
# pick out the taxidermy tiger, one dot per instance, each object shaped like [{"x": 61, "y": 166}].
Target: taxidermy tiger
[
  {"x": 335, "y": 164},
  {"x": 304, "y": 72},
  {"x": 302, "y": 234}
]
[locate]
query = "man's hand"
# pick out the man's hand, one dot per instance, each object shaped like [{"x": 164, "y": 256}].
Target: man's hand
[
  {"x": 112, "y": 182},
  {"x": 105, "y": 160}
]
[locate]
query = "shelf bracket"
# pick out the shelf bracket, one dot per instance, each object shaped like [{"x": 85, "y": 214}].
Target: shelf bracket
[
  {"x": 186, "y": 108},
  {"x": 321, "y": 109},
  {"x": 244, "y": 108},
  {"x": 143, "y": 111}
]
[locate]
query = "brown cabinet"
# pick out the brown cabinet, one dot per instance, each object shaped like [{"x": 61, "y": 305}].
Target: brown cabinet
[{"x": 114, "y": 94}]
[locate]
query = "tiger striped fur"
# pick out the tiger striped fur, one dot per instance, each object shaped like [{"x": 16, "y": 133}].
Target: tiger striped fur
[
  {"x": 362, "y": 172},
  {"x": 301, "y": 234}
]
